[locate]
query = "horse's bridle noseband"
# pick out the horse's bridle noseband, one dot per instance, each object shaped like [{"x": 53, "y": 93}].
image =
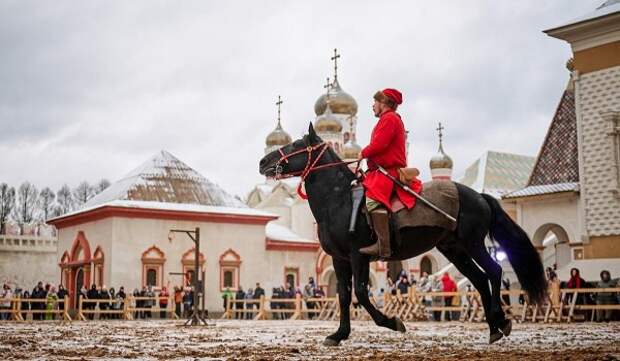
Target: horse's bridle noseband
[{"x": 310, "y": 164}]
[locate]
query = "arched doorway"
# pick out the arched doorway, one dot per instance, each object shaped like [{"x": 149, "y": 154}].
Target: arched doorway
[
  {"x": 79, "y": 282},
  {"x": 553, "y": 243},
  {"x": 426, "y": 265}
]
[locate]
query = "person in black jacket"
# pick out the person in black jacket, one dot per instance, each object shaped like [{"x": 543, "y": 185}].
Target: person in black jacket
[
  {"x": 38, "y": 293},
  {"x": 92, "y": 294},
  {"x": 62, "y": 293}
]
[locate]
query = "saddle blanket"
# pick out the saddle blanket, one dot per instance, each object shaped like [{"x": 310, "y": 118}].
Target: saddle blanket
[{"x": 441, "y": 193}]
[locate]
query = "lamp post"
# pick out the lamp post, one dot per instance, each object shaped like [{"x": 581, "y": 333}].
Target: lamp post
[{"x": 196, "y": 318}]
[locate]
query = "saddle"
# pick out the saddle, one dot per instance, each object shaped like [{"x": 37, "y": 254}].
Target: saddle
[{"x": 442, "y": 193}]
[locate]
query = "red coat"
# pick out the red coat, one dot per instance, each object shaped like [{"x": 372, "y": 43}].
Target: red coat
[
  {"x": 448, "y": 284},
  {"x": 387, "y": 149}
]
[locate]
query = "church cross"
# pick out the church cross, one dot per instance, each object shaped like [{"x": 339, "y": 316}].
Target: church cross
[
  {"x": 335, "y": 59},
  {"x": 439, "y": 129},
  {"x": 279, "y": 103}
]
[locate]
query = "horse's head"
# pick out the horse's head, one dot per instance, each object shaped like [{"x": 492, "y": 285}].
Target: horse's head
[{"x": 293, "y": 158}]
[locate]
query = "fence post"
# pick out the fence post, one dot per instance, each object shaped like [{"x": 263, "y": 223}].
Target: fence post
[
  {"x": 80, "y": 308},
  {"x": 261, "y": 309},
  {"x": 297, "y": 314},
  {"x": 65, "y": 307}
]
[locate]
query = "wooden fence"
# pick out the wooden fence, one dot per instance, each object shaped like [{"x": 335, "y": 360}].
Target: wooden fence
[
  {"x": 59, "y": 309},
  {"x": 421, "y": 306}
]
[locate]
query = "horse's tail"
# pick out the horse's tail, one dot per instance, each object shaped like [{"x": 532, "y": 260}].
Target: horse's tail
[{"x": 522, "y": 255}]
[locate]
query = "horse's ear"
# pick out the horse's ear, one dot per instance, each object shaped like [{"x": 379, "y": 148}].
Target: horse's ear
[{"x": 311, "y": 133}]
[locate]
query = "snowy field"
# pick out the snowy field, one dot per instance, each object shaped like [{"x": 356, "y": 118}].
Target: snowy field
[{"x": 301, "y": 340}]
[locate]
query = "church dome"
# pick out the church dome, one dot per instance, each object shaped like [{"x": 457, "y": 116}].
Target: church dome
[
  {"x": 278, "y": 137},
  {"x": 441, "y": 160},
  {"x": 327, "y": 122},
  {"x": 351, "y": 150},
  {"x": 340, "y": 102}
]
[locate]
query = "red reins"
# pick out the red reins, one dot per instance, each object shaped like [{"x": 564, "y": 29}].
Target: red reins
[{"x": 310, "y": 165}]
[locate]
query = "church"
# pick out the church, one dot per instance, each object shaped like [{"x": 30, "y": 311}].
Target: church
[{"x": 121, "y": 237}]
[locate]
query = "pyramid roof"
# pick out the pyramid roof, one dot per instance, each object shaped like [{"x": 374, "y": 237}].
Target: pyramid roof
[
  {"x": 498, "y": 173},
  {"x": 164, "y": 178}
]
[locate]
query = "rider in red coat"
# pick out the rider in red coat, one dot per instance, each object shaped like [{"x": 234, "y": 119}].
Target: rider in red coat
[{"x": 386, "y": 149}]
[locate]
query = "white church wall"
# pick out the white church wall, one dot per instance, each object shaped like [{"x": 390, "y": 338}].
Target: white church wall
[
  {"x": 561, "y": 211},
  {"x": 302, "y": 220},
  {"x": 26, "y": 260}
]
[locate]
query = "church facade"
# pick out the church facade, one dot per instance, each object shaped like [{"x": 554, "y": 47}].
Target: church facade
[{"x": 121, "y": 237}]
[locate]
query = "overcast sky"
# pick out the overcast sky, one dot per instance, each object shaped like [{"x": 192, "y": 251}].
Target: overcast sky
[{"x": 91, "y": 89}]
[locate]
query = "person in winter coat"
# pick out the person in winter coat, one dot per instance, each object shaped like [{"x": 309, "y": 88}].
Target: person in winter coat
[
  {"x": 437, "y": 301},
  {"x": 93, "y": 294},
  {"x": 149, "y": 303},
  {"x": 163, "y": 301},
  {"x": 188, "y": 302},
  {"x": 25, "y": 304},
  {"x": 239, "y": 307},
  {"x": 104, "y": 306},
  {"x": 137, "y": 314},
  {"x": 448, "y": 285},
  {"x": 249, "y": 306},
  {"x": 62, "y": 293},
  {"x": 51, "y": 303},
  {"x": 605, "y": 298},
  {"x": 38, "y": 293},
  {"x": 403, "y": 285},
  {"x": 5, "y": 302},
  {"x": 178, "y": 300},
  {"x": 576, "y": 281}
]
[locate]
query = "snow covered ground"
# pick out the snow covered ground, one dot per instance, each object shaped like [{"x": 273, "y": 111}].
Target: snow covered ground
[{"x": 301, "y": 340}]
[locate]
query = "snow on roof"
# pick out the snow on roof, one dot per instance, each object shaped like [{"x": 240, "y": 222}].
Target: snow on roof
[
  {"x": 544, "y": 189},
  {"x": 607, "y": 8},
  {"x": 164, "y": 178},
  {"x": 498, "y": 173},
  {"x": 183, "y": 207},
  {"x": 278, "y": 232}
]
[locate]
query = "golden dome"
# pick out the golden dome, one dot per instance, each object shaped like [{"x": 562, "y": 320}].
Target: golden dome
[
  {"x": 340, "y": 101},
  {"x": 327, "y": 122},
  {"x": 441, "y": 160},
  {"x": 351, "y": 150},
  {"x": 278, "y": 137}
]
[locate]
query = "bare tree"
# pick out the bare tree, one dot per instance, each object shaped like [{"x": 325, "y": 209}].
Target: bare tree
[
  {"x": 46, "y": 202},
  {"x": 26, "y": 205},
  {"x": 101, "y": 186},
  {"x": 64, "y": 201},
  {"x": 7, "y": 203},
  {"x": 82, "y": 193}
]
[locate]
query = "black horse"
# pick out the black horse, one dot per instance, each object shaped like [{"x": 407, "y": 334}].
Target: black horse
[{"x": 328, "y": 186}]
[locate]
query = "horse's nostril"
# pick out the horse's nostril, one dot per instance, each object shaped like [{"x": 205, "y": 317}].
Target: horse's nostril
[{"x": 262, "y": 162}]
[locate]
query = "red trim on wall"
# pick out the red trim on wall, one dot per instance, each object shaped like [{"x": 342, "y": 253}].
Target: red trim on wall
[
  {"x": 125, "y": 212},
  {"x": 80, "y": 241},
  {"x": 230, "y": 265},
  {"x": 156, "y": 263},
  {"x": 274, "y": 245}
]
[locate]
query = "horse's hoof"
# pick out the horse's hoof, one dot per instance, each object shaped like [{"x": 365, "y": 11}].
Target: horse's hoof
[
  {"x": 400, "y": 326},
  {"x": 330, "y": 342},
  {"x": 507, "y": 328},
  {"x": 496, "y": 336}
]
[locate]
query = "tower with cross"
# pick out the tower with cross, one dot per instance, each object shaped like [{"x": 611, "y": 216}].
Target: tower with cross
[
  {"x": 441, "y": 164},
  {"x": 278, "y": 137}
]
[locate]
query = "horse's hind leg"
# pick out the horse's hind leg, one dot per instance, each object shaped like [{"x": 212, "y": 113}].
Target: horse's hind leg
[
  {"x": 343, "y": 275},
  {"x": 455, "y": 253},
  {"x": 494, "y": 272},
  {"x": 361, "y": 270}
]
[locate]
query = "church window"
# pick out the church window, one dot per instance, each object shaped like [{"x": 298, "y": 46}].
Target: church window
[
  {"x": 230, "y": 270},
  {"x": 612, "y": 118},
  {"x": 188, "y": 261},
  {"x": 98, "y": 264},
  {"x": 151, "y": 277},
  {"x": 153, "y": 260},
  {"x": 228, "y": 278}
]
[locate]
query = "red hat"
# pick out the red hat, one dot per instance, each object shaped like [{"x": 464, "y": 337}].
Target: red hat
[{"x": 394, "y": 94}]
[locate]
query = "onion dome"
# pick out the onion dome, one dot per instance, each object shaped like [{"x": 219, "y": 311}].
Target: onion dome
[
  {"x": 278, "y": 137},
  {"x": 327, "y": 122},
  {"x": 351, "y": 150},
  {"x": 441, "y": 164},
  {"x": 441, "y": 160},
  {"x": 340, "y": 102}
]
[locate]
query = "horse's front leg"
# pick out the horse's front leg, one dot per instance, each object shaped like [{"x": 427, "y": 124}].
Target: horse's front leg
[
  {"x": 343, "y": 274},
  {"x": 361, "y": 272}
]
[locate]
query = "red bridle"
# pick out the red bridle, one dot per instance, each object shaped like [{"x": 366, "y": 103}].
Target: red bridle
[{"x": 310, "y": 164}]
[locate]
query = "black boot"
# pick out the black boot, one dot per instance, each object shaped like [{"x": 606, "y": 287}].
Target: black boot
[{"x": 381, "y": 225}]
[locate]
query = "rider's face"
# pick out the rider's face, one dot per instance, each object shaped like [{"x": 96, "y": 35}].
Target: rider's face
[{"x": 378, "y": 108}]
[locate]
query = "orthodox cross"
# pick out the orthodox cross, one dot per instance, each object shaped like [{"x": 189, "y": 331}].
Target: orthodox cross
[
  {"x": 335, "y": 59},
  {"x": 439, "y": 129},
  {"x": 278, "y": 103}
]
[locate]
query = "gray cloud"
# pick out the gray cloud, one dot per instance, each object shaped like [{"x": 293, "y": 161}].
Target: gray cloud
[{"x": 91, "y": 89}]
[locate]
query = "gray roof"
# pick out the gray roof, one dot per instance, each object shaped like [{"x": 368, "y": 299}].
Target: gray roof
[
  {"x": 497, "y": 173},
  {"x": 609, "y": 7},
  {"x": 543, "y": 189}
]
